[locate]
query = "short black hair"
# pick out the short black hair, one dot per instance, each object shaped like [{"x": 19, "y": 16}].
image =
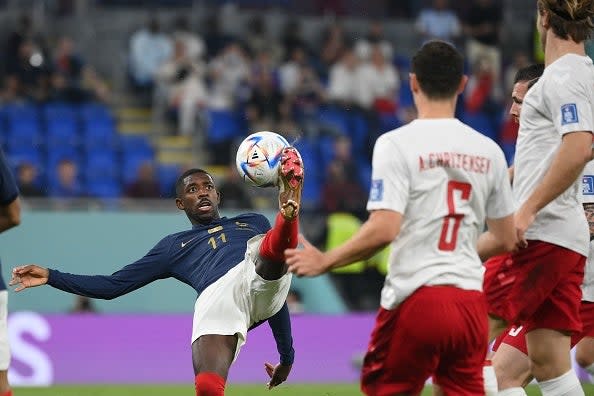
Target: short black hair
[
  {"x": 529, "y": 73},
  {"x": 179, "y": 184},
  {"x": 439, "y": 68}
]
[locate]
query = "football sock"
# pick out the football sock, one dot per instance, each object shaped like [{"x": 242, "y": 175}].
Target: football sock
[
  {"x": 283, "y": 235},
  {"x": 590, "y": 369},
  {"x": 567, "y": 384},
  {"x": 489, "y": 379},
  {"x": 209, "y": 384},
  {"x": 512, "y": 392},
  {"x": 7, "y": 393}
]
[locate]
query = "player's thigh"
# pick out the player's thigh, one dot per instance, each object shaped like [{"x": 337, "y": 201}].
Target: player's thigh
[
  {"x": 214, "y": 353},
  {"x": 512, "y": 367},
  {"x": 584, "y": 352}
]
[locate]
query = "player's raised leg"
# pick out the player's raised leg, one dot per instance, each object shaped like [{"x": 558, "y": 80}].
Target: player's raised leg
[{"x": 284, "y": 232}]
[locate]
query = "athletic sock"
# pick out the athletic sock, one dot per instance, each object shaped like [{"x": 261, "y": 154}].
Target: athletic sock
[
  {"x": 512, "y": 392},
  {"x": 209, "y": 384},
  {"x": 489, "y": 379},
  {"x": 567, "y": 384},
  {"x": 283, "y": 235},
  {"x": 590, "y": 369},
  {"x": 7, "y": 393}
]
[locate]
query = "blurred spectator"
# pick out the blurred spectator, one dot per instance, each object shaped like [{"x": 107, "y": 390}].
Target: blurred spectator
[
  {"x": 83, "y": 304},
  {"x": 146, "y": 184},
  {"x": 295, "y": 302},
  {"x": 149, "y": 48},
  {"x": 258, "y": 40},
  {"x": 438, "y": 22},
  {"x": 341, "y": 191},
  {"x": 233, "y": 191},
  {"x": 375, "y": 38},
  {"x": 290, "y": 71},
  {"x": 229, "y": 72},
  {"x": 343, "y": 86},
  {"x": 67, "y": 61},
  {"x": 24, "y": 32},
  {"x": 263, "y": 107},
  {"x": 520, "y": 60},
  {"x": 333, "y": 45},
  {"x": 66, "y": 184},
  {"x": 482, "y": 25},
  {"x": 380, "y": 83},
  {"x": 194, "y": 44},
  {"x": 292, "y": 38},
  {"x": 480, "y": 89},
  {"x": 30, "y": 72},
  {"x": 214, "y": 38},
  {"x": 180, "y": 86},
  {"x": 26, "y": 181}
]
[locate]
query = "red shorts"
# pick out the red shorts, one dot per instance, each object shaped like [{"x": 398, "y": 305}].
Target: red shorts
[
  {"x": 438, "y": 332},
  {"x": 538, "y": 287},
  {"x": 515, "y": 335}
]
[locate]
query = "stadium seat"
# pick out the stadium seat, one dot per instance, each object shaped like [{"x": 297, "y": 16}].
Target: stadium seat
[
  {"x": 130, "y": 165},
  {"x": 59, "y": 111},
  {"x": 95, "y": 112},
  {"x": 102, "y": 135},
  {"x": 101, "y": 166},
  {"x": 224, "y": 126},
  {"x": 62, "y": 131},
  {"x": 167, "y": 175},
  {"x": 136, "y": 146},
  {"x": 481, "y": 123},
  {"x": 104, "y": 190},
  {"x": 335, "y": 119}
]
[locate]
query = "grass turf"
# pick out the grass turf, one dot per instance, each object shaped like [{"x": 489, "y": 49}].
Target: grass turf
[{"x": 232, "y": 390}]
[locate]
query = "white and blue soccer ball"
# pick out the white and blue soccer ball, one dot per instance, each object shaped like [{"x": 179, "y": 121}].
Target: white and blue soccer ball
[{"x": 258, "y": 158}]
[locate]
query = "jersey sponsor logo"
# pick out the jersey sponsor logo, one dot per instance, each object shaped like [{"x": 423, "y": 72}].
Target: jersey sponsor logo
[
  {"x": 377, "y": 190},
  {"x": 185, "y": 243},
  {"x": 569, "y": 114},
  {"x": 588, "y": 185}
]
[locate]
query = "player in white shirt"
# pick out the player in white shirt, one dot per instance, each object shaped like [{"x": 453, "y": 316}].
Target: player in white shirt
[
  {"x": 435, "y": 182},
  {"x": 539, "y": 286}
]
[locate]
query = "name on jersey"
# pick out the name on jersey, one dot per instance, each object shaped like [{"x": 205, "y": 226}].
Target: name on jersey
[{"x": 469, "y": 163}]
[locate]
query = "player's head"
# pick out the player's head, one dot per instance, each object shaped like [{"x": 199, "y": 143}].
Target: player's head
[
  {"x": 525, "y": 78},
  {"x": 197, "y": 195},
  {"x": 437, "y": 71},
  {"x": 566, "y": 19}
]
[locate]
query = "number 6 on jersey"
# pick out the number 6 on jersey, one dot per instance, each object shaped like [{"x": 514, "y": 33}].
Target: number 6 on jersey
[{"x": 449, "y": 232}]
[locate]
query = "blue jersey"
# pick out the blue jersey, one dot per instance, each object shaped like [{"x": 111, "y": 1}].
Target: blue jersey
[
  {"x": 197, "y": 257},
  {"x": 8, "y": 193}
]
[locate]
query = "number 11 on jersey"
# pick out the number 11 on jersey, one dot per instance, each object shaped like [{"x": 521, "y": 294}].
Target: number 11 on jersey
[{"x": 451, "y": 222}]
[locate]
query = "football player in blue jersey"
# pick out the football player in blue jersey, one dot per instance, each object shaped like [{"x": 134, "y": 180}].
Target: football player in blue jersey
[
  {"x": 236, "y": 265},
  {"x": 10, "y": 216}
]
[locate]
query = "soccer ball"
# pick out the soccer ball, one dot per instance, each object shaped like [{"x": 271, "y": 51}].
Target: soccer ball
[{"x": 258, "y": 158}]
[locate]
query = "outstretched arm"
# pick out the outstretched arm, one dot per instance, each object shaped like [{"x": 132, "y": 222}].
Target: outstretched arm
[
  {"x": 280, "y": 324},
  {"x": 151, "y": 267}
]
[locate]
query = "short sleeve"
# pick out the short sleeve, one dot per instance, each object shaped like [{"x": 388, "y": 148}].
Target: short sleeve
[
  {"x": 570, "y": 103},
  {"x": 390, "y": 178},
  {"x": 8, "y": 187},
  {"x": 500, "y": 202}
]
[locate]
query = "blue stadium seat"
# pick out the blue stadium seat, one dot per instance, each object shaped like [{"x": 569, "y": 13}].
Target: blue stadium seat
[
  {"x": 101, "y": 166},
  {"x": 62, "y": 131},
  {"x": 101, "y": 135},
  {"x": 334, "y": 118},
  {"x": 359, "y": 132},
  {"x": 136, "y": 145},
  {"x": 167, "y": 175},
  {"x": 29, "y": 154},
  {"x": 312, "y": 184},
  {"x": 481, "y": 123},
  {"x": 95, "y": 112},
  {"x": 224, "y": 126},
  {"x": 105, "y": 190},
  {"x": 130, "y": 165},
  {"x": 59, "y": 111}
]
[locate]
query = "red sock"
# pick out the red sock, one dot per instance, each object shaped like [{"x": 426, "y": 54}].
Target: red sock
[
  {"x": 209, "y": 384},
  {"x": 7, "y": 393},
  {"x": 283, "y": 235}
]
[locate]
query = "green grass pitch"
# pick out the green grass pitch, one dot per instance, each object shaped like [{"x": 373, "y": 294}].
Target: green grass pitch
[{"x": 232, "y": 390}]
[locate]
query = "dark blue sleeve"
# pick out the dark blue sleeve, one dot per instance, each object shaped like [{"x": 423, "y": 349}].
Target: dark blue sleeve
[
  {"x": 153, "y": 266},
  {"x": 8, "y": 187},
  {"x": 280, "y": 324},
  {"x": 261, "y": 223}
]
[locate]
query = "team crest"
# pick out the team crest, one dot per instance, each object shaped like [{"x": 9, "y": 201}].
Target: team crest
[{"x": 569, "y": 114}]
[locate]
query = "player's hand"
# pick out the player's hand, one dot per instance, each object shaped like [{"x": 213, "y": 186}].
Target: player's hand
[
  {"x": 278, "y": 374},
  {"x": 523, "y": 218},
  {"x": 308, "y": 261},
  {"x": 28, "y": 276}
]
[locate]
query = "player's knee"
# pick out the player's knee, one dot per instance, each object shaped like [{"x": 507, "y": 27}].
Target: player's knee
[
  {"x": 209, "y": 384},
  {"x": 583, "y": 359}
]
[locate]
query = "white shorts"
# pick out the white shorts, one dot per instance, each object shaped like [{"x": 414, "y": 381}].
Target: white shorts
[
  {"x": 239, "y": 299},
  {"x": 4, "y": 349}
]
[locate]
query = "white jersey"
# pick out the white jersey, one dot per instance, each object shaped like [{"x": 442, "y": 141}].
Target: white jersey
[
  {"x": 560, "y": 102},
  {"x": 445, "y": 178},
  {"x": 588, "y": 197}
]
